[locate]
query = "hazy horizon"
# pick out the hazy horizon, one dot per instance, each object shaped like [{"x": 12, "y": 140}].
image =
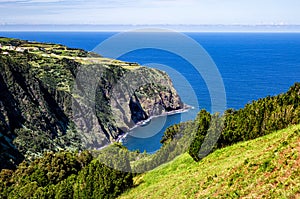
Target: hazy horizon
[{"x": 175, "y": 27}]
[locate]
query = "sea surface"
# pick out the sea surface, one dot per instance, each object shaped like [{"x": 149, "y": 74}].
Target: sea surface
[{"x": 252, "y": 66}]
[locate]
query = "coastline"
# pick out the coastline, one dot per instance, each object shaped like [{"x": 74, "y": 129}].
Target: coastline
[{"x": 185, "y": 108}]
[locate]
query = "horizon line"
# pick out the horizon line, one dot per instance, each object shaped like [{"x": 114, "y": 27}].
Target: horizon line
[{"x": 252, "y": 28}]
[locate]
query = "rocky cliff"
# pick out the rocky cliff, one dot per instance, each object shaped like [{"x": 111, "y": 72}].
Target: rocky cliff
[{"x": 53, "y": 97}]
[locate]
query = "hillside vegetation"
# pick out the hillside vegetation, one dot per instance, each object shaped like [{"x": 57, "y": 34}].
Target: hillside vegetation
[
  {"x": 251, "y": 155},
  {"x": 57, "y": 98},
  {"x": 64, "y": 175},
  {"x": 256, "y": 119},
  {"x": 267, "y": 167}
]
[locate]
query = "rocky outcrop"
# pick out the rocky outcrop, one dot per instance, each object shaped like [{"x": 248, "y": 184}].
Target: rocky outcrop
[
  {"x": 53, "y": 98},
  {"x": 152, "y": 94}
]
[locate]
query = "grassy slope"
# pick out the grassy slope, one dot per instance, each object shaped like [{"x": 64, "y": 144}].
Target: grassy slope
[{"x": 265, "y": 167}]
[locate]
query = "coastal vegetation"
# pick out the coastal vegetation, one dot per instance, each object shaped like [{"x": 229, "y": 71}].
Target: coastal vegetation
[
  {"x": 259, "y": 118},
  {"x": 269, "y": 160},
  {"x": 255, "y": 153},
  {"x": 256, "y": 119},
  {"x": 47, "y": 103},
  {"x": 64, "y": 175}
]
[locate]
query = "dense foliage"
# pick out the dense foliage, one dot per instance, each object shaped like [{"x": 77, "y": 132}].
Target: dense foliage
[
  {"x": 35, "y": 101},
  {"x": 262, "y": 117},
  {"x": 256, "y": 119},
  {"x": 64, "y": 175}
]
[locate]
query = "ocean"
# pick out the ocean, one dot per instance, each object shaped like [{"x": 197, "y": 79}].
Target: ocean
[{"x": 252, "y": 66}]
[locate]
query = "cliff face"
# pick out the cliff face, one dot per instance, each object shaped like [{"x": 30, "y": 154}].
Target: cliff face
[{"x": 47, "y": 103}]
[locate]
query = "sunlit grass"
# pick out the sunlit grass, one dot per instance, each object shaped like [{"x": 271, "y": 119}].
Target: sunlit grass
[{"x": 264, "y": 167}]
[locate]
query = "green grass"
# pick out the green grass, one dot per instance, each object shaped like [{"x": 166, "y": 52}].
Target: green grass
[{"x": 267, "y": 167}]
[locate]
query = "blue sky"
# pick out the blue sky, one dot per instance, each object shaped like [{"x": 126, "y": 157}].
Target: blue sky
[{"x": 150, "y": 12}]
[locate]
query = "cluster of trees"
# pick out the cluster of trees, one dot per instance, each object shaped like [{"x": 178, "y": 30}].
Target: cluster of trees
[
  {"x": 80, "y": 175},
  {"x": 261, "y": 117},
  {"x": 64, "y": 175},
  {"x": 256, "y": 119}
]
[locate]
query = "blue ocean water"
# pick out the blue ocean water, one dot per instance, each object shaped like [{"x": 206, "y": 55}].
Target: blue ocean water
[{"x": 252, "y": 65}]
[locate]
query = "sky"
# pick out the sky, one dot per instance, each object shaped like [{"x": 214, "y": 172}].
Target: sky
[{"x": 228, "y": 12}]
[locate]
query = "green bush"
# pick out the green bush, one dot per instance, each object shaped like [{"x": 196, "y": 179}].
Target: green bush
[{"x": 64, "y": 175}]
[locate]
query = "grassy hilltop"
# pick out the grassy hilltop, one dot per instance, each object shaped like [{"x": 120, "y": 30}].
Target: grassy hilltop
[{"x": 267, "y": 167}]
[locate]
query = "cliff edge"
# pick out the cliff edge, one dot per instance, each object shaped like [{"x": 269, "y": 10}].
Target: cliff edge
[{"x": 47, "y": 102}]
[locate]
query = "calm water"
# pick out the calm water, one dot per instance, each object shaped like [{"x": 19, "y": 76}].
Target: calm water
[{"x": 252, "y": 65}]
